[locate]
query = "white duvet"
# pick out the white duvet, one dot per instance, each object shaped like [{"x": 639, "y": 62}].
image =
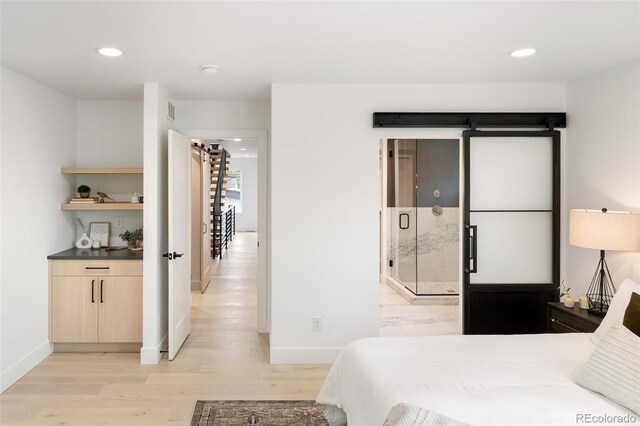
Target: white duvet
[{"x": 481, "y": 380}]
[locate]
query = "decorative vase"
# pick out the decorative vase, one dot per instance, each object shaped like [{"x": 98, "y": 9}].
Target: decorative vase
[
  {"x": 569, "y": 302},
  {"x": 83, "y": 242},
  {"x": 84, "y": 194}
]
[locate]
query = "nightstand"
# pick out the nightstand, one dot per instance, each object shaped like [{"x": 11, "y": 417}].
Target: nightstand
[{"x": 561, "y": 319}]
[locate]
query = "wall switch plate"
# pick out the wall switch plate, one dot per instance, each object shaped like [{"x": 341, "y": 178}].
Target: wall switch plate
[
  {"x": 316, "y": 324},
  {"x": 119, "y": 222}
]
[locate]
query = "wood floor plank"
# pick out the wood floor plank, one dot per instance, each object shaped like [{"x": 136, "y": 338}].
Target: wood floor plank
[{"x": 223, "y": 358}]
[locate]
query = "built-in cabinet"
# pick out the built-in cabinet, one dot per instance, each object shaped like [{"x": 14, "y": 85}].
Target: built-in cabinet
[{"x": 95, "y": 301}]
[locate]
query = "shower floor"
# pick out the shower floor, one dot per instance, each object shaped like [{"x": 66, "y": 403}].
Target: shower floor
[{"x": 430, "y": 288}]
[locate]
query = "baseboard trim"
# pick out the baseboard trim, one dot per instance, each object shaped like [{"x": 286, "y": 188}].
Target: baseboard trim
[
  {"x": 97, "y": 347},
  {"x": 153, "y": 354},
  {"x": 304, "y": 355},
  {"x": 24, "y": 365}
]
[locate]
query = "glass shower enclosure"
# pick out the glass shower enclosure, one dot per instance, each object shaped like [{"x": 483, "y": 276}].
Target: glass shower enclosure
[{"x": 423, "y": 211}]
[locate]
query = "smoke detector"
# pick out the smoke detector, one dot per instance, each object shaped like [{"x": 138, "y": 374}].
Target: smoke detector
[{"x": 209, "y": 69}]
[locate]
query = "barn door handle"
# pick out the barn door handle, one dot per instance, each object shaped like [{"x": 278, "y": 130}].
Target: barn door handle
[
  {"x": 400, "y": 220},
  {"x": 473, "y": 252}
]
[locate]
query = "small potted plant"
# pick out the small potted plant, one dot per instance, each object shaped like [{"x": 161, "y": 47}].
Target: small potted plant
[
  {"x": 84, "y": 191},
  {"x": 564, "y": 291},
  {"x": 133, "y": 238}
]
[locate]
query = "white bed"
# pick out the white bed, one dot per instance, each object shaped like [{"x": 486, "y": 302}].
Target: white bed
[{"x": 480, "y": 380}]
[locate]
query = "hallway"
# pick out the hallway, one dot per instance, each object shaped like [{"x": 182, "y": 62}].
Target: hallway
[{"x": 223, "y": 358}]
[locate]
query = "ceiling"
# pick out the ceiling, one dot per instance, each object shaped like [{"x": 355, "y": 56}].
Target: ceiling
[{"x": 259, "y": 43}]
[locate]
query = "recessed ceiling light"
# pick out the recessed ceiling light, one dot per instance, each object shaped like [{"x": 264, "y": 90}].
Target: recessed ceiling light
[
  {"x": 109, "y": 51},
  {"x": 209, "y": 69},
  {"x": 237, "y": 140},
  {"x": 246, "y": 155},
  {"x": 521, "y": 53},
  {"x": 243, "y": 149}
]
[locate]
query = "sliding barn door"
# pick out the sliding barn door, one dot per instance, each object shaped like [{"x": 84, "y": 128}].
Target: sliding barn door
[{"x": 512, "y": 220}]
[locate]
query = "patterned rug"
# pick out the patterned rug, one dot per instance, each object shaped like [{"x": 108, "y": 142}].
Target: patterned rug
[{"x": 257, "y": 413}]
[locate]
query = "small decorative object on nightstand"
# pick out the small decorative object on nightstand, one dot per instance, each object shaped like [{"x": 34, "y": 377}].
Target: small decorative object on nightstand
[{"x": 561, "y": 319}]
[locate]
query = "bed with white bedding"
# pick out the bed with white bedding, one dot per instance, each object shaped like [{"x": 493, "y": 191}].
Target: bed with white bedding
[{"x": 480, "y": 380}]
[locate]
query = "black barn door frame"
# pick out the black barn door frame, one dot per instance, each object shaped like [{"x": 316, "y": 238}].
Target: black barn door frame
[{"x": 545, "y": 292}]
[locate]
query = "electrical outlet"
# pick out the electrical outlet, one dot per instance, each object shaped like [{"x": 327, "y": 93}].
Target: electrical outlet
[
  {"x": 316, "y": 324},
  {"x": 119, "y": 222}
]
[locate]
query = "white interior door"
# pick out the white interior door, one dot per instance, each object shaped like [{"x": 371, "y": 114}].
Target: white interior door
[{"x": 179, "y": 256}]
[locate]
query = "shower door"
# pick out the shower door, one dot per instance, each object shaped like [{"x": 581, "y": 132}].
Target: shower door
[
  {"x": 511, "y": 244},
  {"x": 423, "y": 215},
  {"x": 401, "y": 198}
]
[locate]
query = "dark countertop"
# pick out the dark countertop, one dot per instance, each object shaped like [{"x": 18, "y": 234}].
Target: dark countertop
[{"x": 79, "y": 254}]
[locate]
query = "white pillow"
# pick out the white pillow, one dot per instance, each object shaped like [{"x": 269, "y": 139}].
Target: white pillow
[
  {"x": 613, "y": 369},
  {"x": 615, "y": 314}
]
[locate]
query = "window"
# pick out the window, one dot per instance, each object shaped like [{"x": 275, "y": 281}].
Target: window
[{"x": 234, "y": 189}]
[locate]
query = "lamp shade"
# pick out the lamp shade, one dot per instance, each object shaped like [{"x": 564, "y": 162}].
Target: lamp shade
[{"x": 607, "y": 230}]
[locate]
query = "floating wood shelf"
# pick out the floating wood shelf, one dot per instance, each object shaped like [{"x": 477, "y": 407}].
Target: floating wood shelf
[
  {"x": 102, "y": 170},
  {"x": 102, "y": 206}
]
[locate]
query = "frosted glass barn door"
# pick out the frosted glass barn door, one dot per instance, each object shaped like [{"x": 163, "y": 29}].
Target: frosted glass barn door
[{"x": 511, "y": 222}]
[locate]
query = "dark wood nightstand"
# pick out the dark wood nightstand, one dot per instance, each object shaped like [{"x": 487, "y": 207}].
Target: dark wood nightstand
[{"x": 561, "y": 319}]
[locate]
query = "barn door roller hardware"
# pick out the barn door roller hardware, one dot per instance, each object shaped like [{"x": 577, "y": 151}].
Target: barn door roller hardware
[{"x": 471, "y": 120}]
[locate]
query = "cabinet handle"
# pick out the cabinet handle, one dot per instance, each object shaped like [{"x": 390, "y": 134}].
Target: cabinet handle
[
  {"x": 101, "y": 282},
  {"x": 554, "y": 320},
  {"x": 96, "y": 267},
  {"x": 93, "y": 298}
]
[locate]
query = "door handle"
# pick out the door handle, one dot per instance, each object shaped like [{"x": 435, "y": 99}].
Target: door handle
[
  {"x": 473, "y": 252},
  {"x": 400, "y": 220},
  {"x": 101, "y": 282},
  {"x": 173, "y": 255},
  {"x": 93, "y": 298}
]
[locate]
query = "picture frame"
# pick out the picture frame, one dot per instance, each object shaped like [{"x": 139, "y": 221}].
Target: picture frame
[{"x": 99, "y": 231}]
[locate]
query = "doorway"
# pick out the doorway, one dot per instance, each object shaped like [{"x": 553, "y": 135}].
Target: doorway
[
  {"x": 421, "y": 224},
  {"x": 247, "y": 190}
]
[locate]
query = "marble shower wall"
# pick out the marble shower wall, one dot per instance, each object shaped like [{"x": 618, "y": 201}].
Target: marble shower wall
[{"x": 426, "y": 261}]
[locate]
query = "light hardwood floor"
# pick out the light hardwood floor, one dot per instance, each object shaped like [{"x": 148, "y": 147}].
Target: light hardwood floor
[{"x": 223, "y": 358}]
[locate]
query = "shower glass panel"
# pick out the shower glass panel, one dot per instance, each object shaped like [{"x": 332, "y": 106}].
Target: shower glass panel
[
  {"x": 401, "y": 187},
  {"x": 424, "y": 218}
]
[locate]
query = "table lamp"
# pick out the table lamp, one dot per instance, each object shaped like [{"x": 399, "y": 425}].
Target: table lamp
[{"x": 603, "y": 230}]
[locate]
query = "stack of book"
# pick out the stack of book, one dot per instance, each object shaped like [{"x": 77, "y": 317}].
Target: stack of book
[{"x": 80, "y": 200}]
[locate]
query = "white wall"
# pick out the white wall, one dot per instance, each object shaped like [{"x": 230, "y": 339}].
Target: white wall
[
  {"x": 109, "y": 134},
  {"x": 155, "y": 136},
  {"x": 38, "y": 138},
  {"x": 247, "y": 220},
  {"x": 325, "y": 200},
  {"x": 602, "y": 160},
  {"x": 225, "y": 115}
]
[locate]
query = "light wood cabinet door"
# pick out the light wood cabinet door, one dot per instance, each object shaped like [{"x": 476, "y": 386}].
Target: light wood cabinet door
[
  {"x": 120, "y": 300},
  {"x": 74, "y": 309}
]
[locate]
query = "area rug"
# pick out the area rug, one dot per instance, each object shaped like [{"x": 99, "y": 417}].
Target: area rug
[{"x": 257, "y": 413}]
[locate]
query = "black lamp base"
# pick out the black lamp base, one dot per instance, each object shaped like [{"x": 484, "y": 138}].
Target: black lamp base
[{"x": 601, "y": 289}]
